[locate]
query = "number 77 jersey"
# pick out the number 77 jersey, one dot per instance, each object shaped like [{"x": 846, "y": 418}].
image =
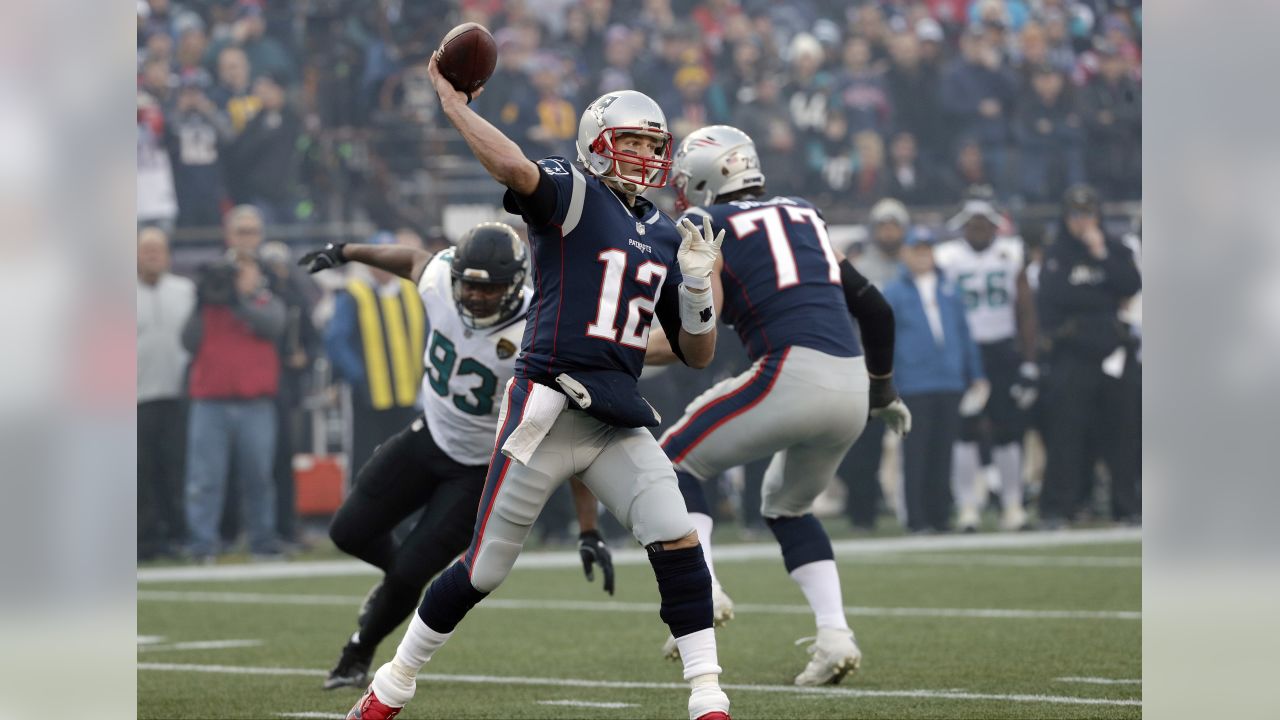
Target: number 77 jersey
[{"x": 781, "y": 281}]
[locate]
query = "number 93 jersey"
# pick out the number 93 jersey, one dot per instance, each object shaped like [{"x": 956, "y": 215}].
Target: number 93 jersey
[
  {"x": 988, "y": 282},
  {"x": 466, "y": 369}
]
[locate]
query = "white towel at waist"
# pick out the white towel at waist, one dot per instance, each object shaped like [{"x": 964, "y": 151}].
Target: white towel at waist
[{"x": 541, "y": 409}]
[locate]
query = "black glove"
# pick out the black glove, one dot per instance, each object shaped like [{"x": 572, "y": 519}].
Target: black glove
[
  {"x": 330, "y": 256},
  {"x": 592, "y": 549},
  {"x": 882, "y": 393}
]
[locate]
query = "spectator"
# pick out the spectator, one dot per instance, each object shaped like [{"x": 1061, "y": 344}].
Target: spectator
[
  {"x": 265, "y": 54},
  {"x": 832, "y": 159},
  {"x": 935, "y": 363},
  {"x": 157, "y": 203},
  {"x": 677, "y": 47},
  {"x": 1085, "y": 279},
  {"x": 913, "y": 93},
  {"x": 555, "y": 125},
  {"x": 862, "y": 91},
  {"x": 909, "y": 178},
  {"x": 234, "y": 379},
  {"x": 298, "y": 347},
  {"x": 870, "y": 178},
  {"x": 746, "y": 68},
  {"x": 1112, "y": 110},
  {"x": 879, "y": 262},
  {"x": 192, "y": 46},
  {"x": 978, "y": 95},
  {"x": 165, "y": 302},
  {"x": 157, "y": 81},
  {"x": 968, "y": 172},
  {"x": 809, "y": 89},
  {"x": 1049, "y": 136},
  {"x": 194, "y": 134},
  {"x": 1061, "y": 53},
  {"x": 701, "y": 103},
  {"x": 766, "y": 118},
  {"x": 234, "y": 93},
  {"x": 1013, "y": 14},
  {"x": 619, "y": 59},
  {"x": 375, "y": 342},
  {"x": 260, "y": 160},
  {"x": 932, "y": 47}
]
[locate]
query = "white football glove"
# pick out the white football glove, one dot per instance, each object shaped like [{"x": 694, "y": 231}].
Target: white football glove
[
  {"x": 896, "y": 416},
  {"x": 975, "y": 398},
  {"x": 697, "y": 253}
]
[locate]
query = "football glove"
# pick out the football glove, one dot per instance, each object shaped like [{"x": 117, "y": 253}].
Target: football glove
[
  {"x": 975, "y": 398},
  {"x": 886, "y": 405},
  {"x": 697, "y": 252},
  {"x": 1027, "y": 388},
  {"x": 593, "y": 549},
  {"x": 329, "y": 256}
]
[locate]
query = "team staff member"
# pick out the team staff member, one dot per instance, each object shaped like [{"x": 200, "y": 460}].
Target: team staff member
[
  {"x": 1085, "y": 279},
  {"x": 375, "y": 341}
]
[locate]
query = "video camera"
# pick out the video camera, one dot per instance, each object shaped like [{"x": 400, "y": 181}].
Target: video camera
[{"x": 216, "y": 283}]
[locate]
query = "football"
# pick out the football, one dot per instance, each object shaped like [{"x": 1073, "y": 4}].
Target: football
[{"x": 467, "y": 57}]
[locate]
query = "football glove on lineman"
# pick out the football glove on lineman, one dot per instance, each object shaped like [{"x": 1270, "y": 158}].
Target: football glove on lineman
[
  {"x": 329, "y": 256},
  {"x": 697, "y": 252},
  {"x": 593, "y": 549},
  {"x": 886, "y": 405},
  {"x": 1027, "y": 388}
]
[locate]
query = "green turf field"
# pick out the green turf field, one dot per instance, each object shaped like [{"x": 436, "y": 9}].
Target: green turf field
[{"x": 947, "y": 629}]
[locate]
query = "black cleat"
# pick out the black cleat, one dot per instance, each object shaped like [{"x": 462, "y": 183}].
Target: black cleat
[{"x": 352, "y": 669}]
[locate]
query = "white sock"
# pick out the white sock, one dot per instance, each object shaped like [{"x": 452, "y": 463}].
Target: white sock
[
  {"x": 698, "y": 653},
  {"x": 394, "y": 683},
  {"x": 703, "y": 524},
  {"x": 964, "y": 476},
  {"x": 1008, "y": 459},
  {"x": 820, "y": 583}
]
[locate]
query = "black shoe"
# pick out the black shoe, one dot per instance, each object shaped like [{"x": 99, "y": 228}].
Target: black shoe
[
  {"x": 352, "y": 669},
  {"x": 366, "y": 605}
]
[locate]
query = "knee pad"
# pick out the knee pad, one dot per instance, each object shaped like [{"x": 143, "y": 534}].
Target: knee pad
[
  {"x": 492, "y": 563},
  {"x": 449, "y": 599},
  {"x": 658, "y": 513},
  {"x": 802, "y": 539},
  {"x": 684, "y": 582},
  {"x": 695, "y": 500}
]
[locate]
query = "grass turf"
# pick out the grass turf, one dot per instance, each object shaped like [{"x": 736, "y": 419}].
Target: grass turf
[{"x": 906, "y": 657}]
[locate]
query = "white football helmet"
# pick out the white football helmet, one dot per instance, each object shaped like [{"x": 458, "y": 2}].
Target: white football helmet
[
  {"x": 624, "y": 112},
  {"x": 714, "y": 161}
]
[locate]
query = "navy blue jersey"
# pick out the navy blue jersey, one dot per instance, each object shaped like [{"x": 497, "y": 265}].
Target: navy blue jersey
[
  {"x": 781, "y": 281},
  {"x": 599, "y": 269}
]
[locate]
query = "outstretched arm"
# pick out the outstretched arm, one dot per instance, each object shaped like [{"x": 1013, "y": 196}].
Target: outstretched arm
[
  {"x": 407, "y": 262},
  {"x": 499, "y": 155}
]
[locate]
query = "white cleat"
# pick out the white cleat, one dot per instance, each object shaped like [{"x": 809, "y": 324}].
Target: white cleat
[
  {"x": 721, "y": 614},
  {"x": 835, "y": 654},
  {"x": 969, "y": 520},
  {"x": 1013, "y": 518}
]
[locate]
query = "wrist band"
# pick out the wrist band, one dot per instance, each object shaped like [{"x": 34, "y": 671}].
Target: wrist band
[
  {"x": 697, "y": 283},
  {"x": 697, "y": 313}
]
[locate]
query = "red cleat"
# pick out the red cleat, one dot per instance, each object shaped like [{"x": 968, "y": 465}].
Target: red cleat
[
  {"x": 715, "y": 715},
  {"x": 371, "y": 708}
]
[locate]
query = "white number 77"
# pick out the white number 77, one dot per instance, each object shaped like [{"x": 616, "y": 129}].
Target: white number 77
[{"x": 784, "y": 260}]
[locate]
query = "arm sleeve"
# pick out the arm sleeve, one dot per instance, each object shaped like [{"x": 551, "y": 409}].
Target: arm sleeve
[
  {"x": 874, "y": 316},
  {"x": 667, "y": 313},
  {"x": 557, "y": 200}
]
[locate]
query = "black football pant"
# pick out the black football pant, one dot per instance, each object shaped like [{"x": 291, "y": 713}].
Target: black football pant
[
  {"x": 926, "y": 459},
  {"x": 406, "y": 473},
  {"x": 162, "y": 441},
  {"x": 1084, "y": 404}
]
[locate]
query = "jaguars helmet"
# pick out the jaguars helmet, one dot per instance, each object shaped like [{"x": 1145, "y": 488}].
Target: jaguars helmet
[
  {"x": 714, "y": 161},
  {"x": 490, "y": 253},
  {"x": 624, "y": 112}
]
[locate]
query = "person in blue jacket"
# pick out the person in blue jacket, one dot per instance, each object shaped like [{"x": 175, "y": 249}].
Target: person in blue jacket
[{"x": 938, "y": 371}]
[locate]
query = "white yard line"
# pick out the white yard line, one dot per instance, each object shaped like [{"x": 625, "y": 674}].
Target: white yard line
[
  {"x": 628, "y": 685},
  {"x": 584, "y": 703},
  {"x": 1099, "y": 681},
  {"x": 324, "y": 715},
  {"x": 651, "y": 608},
  {"x": 629, "y": 556},
  {"x": 201, "y": 645}
]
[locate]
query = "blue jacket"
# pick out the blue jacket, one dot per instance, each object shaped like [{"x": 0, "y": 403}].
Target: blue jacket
[{"x": 920, "y": 365}]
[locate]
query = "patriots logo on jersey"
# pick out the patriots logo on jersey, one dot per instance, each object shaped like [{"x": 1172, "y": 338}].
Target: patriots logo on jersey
[{"x": 506, "y": 349}]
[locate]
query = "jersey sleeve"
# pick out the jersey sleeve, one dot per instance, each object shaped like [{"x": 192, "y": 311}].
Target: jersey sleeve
[
  {"x": 558, "y": 199},
  {"x": 435, "y": 276}
]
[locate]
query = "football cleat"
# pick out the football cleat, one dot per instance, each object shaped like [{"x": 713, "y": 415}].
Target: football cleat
[
  {"x": 835, "y": 654},
  {"x": 1014, "y": 518},
  {"x": 371, "y": 708},
  {"x": 721, "y": 614},
  {"x": 715, "y": 715},
  {"x": 352, "y": 669}
]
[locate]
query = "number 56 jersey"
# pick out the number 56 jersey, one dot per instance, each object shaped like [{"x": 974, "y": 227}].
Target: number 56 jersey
[
  {"x": 466, "y": 368},
  {"x": 988, "y": 280}
]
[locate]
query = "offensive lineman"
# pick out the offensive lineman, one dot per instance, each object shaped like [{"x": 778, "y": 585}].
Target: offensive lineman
[
  {"x": 606, "y": 263},
  {"x": 806, "y": 397},
  {"x": 475, "y": 302},
  {"x": 991, "y": 274}
]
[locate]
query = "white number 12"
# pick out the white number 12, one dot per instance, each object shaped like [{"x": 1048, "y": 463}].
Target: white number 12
[{"x": 605, "y": 325}]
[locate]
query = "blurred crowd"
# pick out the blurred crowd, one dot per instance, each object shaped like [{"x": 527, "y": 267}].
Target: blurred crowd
[
  {"x": 255, "y": 116},
  {"x": 320, "y": 110}
]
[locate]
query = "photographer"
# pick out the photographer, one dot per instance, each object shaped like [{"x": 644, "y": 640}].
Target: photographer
[{"x": 234, "y": 379}]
